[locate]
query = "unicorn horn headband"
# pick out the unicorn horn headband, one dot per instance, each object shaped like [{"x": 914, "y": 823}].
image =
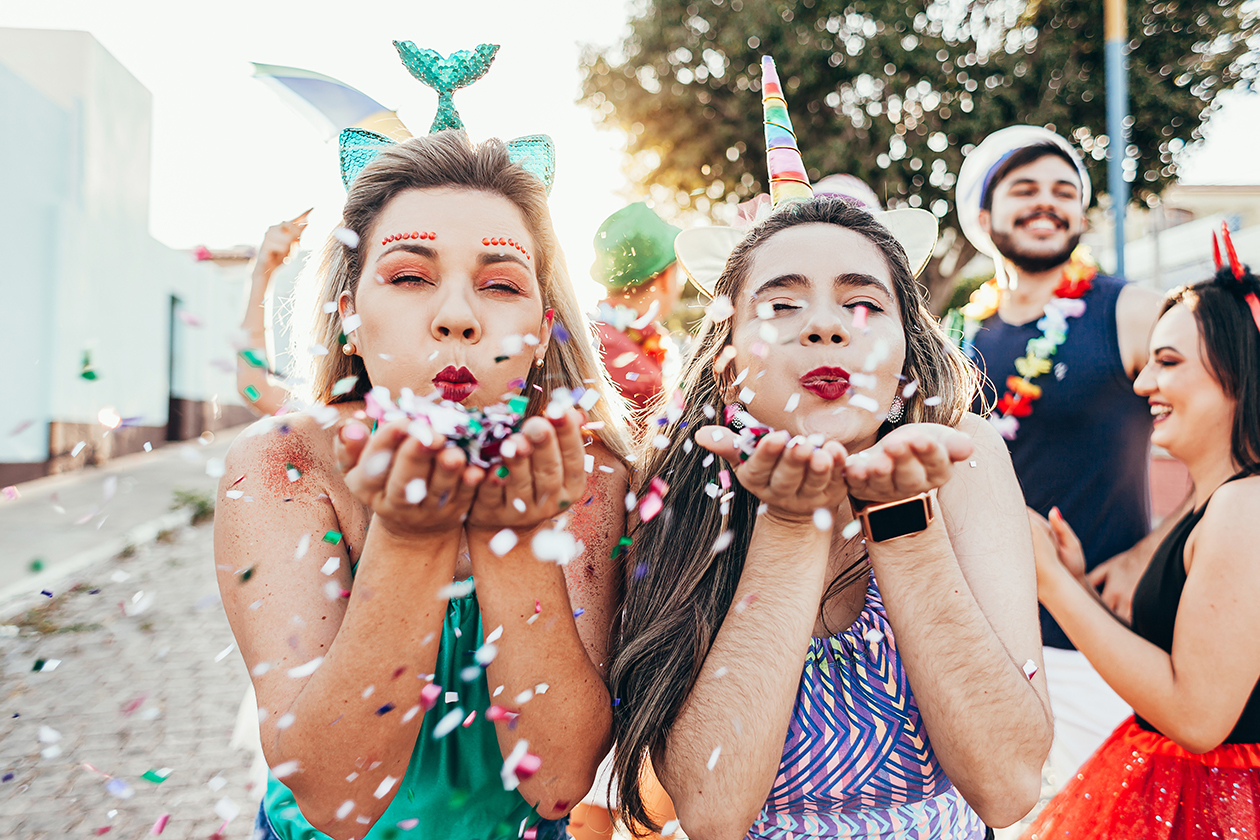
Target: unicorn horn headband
[
  {"x": 703, "y": 252},
  {"x": 1236, "y": 268},
  {"x": 535, "y": 153}
]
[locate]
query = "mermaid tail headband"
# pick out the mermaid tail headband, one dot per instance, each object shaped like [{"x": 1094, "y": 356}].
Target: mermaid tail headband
[
  {"x": 535, "y": 153},
  {"x": 1236, "y": 268}
]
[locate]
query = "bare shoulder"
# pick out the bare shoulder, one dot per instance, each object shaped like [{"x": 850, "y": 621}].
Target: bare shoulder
[
  {"x": 989, "y": 460},
  {"x": 983, "y": 492},
  {"x": 1233, "y": 512},
  {"x": 299, "y": 440},
  {"x": 1137, "y": 310}
]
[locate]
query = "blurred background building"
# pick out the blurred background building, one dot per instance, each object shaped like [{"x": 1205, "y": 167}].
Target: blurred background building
[{"x": 115, "y": 340}]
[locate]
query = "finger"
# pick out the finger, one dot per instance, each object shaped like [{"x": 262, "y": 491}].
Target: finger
[
  {"x": 413, "y": 460},
  {"x": 348, "y": 446},
  {"x": 912, "y": 471},
  {"x": 572, "y": 454},
  {"x": 301, "y": 219},
  {"x": 790, "y": 471},
  {"x": 519, "y": 481},
  {"x": 934, "y": 457},
  {"x": 372, "y": 470},
  {"x": 818, "y": 472},
  {"x": 838, "y": 455},
  {"x": 472, "y": 482},
  {"x": 958, "y": 446},
  {"x": 544, "y": 462},
  {"x": 721, "y": 441},
  {"x": 446, "y": 476},
  {"x": 756, "y": 471},
  {"x": 1063, "y": 533}
]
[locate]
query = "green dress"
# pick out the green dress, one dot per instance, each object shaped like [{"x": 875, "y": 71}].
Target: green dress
[{"x": 452, "y": 787}]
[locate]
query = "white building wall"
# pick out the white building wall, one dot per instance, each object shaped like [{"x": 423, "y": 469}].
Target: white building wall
[{"x": 81, "y": 271}]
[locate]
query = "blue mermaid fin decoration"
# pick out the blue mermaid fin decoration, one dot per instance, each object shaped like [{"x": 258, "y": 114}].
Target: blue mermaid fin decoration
[
  {"x": 536, "y": 154},
  {"x": 446, "y": 75},
  {"x": 358, "y": 148}
]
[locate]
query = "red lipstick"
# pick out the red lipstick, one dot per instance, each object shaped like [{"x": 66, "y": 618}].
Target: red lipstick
[
  {"x": 455, "y": 383},
  {"x": 829, "y": 383}
]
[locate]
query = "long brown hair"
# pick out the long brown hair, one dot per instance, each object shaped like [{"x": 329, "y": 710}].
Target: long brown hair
[
  {"x": 448, "y": 159},
  {"x": 678, "y": 589}
]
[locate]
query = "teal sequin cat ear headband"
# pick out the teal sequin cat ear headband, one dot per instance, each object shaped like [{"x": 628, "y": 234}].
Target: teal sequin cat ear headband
[{"x": 534, "y": 153}]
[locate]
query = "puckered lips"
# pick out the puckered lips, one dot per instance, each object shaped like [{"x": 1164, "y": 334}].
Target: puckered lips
[
  {"x": 455, "y": 383},
  {"x": 829, "y": 383}
]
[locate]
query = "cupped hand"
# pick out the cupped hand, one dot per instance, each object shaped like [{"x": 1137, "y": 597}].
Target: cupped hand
[
  {"x": 909, "y": 460},
  {"x": 543, "y": 474},
  {"x": 791, "y": 476},
  {"x": 413, "y": 488}
]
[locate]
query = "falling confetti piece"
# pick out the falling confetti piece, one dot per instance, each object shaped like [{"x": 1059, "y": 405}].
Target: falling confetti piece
[
  {"x": 713, "y": 757},
  {"x": 458, "y": 589},
  {"x": 849, "y": 531},
  {"x": 1030, "y": 669},
  {"x": 305, "y": 670},
  {"x": 823, "y": 519},
  {"x": 416, "y": 490},
  {"x": 344, "y": 809},
  {"x": 864, "y": 402},
  {"x": 932, "y": 401},
  {"x": 908, "y": 391},
  {"x": 429, "y": 695},
  {"x": 119, "y": 788},
  {"x": 351, "y": 322},
  {"x": 157, "y": 776},
  {"x": 503, "y": 542},
  {"x": 160, "y": 825},
  {"x": 859, "y": 318},
  {"x": 448, "y": 724},
  {"x": 288, "y": 768},
  {"x": 670, "y": 828},
  {"x": 384, "y": 710},
  {"x": 11, "y": 492},
  {"x": 331, "y": 565},
  {"x": 873, "y": 637},
  {"x": 346, "y": 237},
  {"x": 792, "y": 403},
  {"x": 343, "y": 386},
  {"x": 722, "y": 542},
  {"x": 332, "y": 537}
]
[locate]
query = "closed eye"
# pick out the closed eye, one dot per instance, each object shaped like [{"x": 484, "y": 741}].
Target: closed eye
[
  {"x": 873, "y": 307},
  {"x": 410, "y": 280},
  {"x": 502, "y": 287}
]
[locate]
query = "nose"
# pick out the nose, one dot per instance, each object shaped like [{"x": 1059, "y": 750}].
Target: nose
[
  {"x": 455, "y": 316},
  {"x": 825, "y": 325},
  {"x": 1144, "y": 385}
]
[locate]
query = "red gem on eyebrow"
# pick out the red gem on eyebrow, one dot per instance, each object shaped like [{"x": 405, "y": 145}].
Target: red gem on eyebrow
[
  {"x": 415, "y": 234},
  {"x": 485, "y": 242}
]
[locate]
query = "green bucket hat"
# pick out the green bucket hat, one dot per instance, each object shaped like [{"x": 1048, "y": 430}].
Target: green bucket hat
[{"x": 632, "y": 246}]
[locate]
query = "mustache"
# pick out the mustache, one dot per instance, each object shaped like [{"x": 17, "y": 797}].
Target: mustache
[{"x": 1042, "y": 214}]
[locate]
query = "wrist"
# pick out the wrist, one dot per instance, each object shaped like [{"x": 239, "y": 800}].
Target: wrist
[{"x": 390, "y": 536}]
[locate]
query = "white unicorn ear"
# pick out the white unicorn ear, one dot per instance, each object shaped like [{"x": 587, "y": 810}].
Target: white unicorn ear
[
  {"x": 703, "y": 252},
  {"x": 916, "y": 230}
]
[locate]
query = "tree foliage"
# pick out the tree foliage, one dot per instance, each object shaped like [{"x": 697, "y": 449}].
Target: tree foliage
[{"x": 898, "y": 92}]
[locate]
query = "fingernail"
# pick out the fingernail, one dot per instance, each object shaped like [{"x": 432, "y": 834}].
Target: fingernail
[
  {"x": 353, "y": 431},
  {"x": 535, "y": 434},
  {"x": 558, "y": 422}
]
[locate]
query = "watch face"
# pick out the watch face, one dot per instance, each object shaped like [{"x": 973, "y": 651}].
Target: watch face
[{"x": 898, "y": 520}]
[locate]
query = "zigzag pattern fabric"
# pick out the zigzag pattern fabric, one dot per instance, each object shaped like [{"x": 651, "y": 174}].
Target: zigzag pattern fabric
[{"x": 857, "y": 761}]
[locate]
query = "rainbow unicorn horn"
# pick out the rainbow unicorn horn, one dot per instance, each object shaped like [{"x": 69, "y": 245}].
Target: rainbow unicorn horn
[{"x": 783, "y": 158}]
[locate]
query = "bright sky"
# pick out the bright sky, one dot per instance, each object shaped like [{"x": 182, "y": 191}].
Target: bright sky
[{"x": 230, "y": 158}]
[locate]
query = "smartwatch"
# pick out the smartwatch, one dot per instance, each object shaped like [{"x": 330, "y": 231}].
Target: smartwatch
[{"x": 890, "y": 520}]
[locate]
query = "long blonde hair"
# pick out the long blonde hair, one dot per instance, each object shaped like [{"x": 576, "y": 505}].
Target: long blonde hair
[{"x": 448, "y": 159}]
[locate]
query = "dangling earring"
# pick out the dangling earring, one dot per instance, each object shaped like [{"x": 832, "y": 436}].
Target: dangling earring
[
  {"x": 539, "y": 361},
  {"x": 348, "y": 348},
  {"x": 896, "y": 411}
]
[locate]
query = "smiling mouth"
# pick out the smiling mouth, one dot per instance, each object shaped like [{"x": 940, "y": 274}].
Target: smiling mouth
[
  {"x": 456, "y": 384},
  {"x": 1042, "y": 223},
  {"x": 829, "y": 383},
  {"x": 1160, "y": 412}
]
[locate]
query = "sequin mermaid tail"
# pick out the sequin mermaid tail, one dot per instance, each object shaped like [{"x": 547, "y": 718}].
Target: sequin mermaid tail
[{"x": 446, "y": 75}]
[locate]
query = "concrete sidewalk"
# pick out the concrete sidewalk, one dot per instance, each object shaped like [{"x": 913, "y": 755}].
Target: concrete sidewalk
[{"x": 66, "y": 523}]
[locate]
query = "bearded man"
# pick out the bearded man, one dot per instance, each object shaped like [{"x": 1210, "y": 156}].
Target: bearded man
[{"x": 1060, "y": 344}]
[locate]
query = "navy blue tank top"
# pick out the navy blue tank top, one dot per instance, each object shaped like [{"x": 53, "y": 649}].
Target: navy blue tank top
[{"x": 1086, "y": 445}]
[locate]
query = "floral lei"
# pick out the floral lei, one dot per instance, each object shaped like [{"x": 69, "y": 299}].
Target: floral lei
[{"x": 1021, "y": 392}]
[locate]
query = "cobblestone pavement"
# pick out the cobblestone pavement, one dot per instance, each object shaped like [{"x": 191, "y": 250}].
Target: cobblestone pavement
[{"x": 140, "y": 674}]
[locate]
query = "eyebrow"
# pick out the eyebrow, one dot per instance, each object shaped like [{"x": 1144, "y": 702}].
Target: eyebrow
[
  {"x": 1062, "y": 182},
  {"x": 1167, "y": 347},
  {"x": 490, "y": 259},
  {"x": 797, "y": 281},
  {"x": 482, "y": 259}
]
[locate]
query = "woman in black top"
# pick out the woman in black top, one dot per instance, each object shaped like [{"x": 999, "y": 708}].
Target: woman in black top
[{"x": 1188, "y": 764}]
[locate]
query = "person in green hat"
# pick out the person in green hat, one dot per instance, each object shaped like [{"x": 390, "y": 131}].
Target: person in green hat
[{"x": 635, "y": 262}]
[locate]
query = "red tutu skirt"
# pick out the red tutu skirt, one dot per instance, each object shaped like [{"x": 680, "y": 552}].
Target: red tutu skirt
[{"x": 1140, "y": 784}]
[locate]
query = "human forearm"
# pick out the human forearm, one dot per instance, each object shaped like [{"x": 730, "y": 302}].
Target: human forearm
[
  {"x": 739, "y": 709},
  {"x": 345, "y": 745},
  {"x": 989, "y": 728},
  {"x": 568, "y": 722},
  {"x": 1139, "y": 671}
]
